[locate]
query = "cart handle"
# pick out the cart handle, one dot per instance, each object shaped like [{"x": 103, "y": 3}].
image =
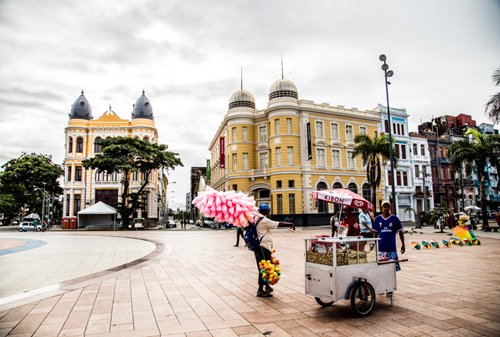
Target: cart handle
[{"x": 392, "y": 261}]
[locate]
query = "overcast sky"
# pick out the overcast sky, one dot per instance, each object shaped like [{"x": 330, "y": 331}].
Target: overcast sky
[{"x": 187, "y": 56}]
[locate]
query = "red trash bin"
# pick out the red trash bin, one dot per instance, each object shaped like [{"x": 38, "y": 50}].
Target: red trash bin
[
  {"x": 72, "y": 223},
  {"x": 65, "y": 223}
]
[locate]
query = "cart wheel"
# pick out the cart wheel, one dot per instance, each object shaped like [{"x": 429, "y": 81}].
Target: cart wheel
[
  {"x": 323, "y": 302},
  {"x": 362, "y": 299}
]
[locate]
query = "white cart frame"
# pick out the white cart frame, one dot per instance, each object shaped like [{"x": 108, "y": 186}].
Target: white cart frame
[{"x": 358, "y": 276}]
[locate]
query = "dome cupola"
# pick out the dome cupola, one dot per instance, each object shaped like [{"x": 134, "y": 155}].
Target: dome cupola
[
  {"x": 81, "y": 109},
  {"x": 143, "y": 108},
  {"x": 283, "y": 88},
  {"x": 241, "y": 98}
]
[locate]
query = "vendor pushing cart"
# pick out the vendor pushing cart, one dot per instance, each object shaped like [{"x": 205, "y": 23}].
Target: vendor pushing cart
[{"x": 347, "y": 267}]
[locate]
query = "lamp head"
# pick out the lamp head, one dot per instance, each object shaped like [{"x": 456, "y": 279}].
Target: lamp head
[
  {"x": 382, "y": 58},
  {"x": 385, "y": 66},
  {"x": 390, "y": 73}
]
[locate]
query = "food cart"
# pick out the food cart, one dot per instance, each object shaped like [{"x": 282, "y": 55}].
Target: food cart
[{"x": 347, "y": 267}]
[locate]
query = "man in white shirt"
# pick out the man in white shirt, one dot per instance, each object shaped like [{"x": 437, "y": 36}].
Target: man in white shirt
[
  {"x": 266, "y": 244},
  {"x": 365, "y": 221}
]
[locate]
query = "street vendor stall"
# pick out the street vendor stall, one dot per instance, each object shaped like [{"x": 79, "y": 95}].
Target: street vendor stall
[{"x": 347, "y": 267}]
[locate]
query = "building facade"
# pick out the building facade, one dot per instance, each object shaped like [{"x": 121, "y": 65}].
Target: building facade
[
  {"x": 422, "y": 178},
  {"x": 82, "y": 187},
  {"x": 280, "y": 154},
  {"x": 404, "y": 173}
]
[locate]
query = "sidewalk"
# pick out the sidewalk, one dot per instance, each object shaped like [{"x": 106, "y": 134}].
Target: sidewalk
[{"x": 203, "y": 286}]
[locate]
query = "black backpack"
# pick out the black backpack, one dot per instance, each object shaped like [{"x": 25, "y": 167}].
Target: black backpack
[{"x": 251, "y": 237}]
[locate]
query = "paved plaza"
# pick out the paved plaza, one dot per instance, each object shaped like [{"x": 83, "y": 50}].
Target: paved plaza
[{"x": 195, "y": 283}]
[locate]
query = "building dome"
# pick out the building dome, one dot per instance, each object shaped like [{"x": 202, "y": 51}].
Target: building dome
[
  {"x": 143, "y": 108},
  {"x": 241, "y": 98},
  {"x": 81, "y": 109},
  {"x": 283, "y": 88}
]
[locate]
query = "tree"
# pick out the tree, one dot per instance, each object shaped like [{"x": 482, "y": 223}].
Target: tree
[
  {"x": 492, "y": 109},
  {"x": 127, "y": 155},
  {"x": 475, "y": 156},
  {"x": 370, "y": 151},
  {"x": 25, "y": 178}
]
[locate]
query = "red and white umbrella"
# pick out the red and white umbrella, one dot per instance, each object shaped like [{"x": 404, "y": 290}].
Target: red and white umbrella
[{"x": 343, "y": 196}]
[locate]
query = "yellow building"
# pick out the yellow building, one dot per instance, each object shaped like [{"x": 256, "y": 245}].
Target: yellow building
[
  {"x": 266, "y": 152},
  {"x": 83, "y": 188}
]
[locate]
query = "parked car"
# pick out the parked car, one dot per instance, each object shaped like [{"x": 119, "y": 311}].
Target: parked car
[
  {"x": 207, "y": 222},
  {"x": 493, "y": 213},
  {"x": 171, "y": 224},
  {"x": 191, "y": 222},
  {"x": 28, "y": 226}
]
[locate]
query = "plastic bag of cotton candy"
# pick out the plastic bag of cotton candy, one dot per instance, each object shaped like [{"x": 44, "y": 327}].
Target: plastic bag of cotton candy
[{"x": 232, "y": 207}]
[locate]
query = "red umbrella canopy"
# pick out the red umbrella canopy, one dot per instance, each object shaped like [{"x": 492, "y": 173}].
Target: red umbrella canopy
[{"x": 343, "y": 196}]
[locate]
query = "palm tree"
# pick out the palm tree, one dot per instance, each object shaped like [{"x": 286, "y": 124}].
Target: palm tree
[
  {"x": 475, "y": 155},
  {"x": 370, "y": 151},
  {"x": 493, "y": 105}
]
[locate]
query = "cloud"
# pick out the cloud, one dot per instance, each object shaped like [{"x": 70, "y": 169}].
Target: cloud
[{"x": 187, "y": 56}]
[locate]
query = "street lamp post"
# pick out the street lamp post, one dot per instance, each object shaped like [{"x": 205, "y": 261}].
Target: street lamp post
[{"x": 389, "y": 73}]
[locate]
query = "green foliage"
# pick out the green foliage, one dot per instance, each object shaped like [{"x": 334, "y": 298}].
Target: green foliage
[
  {"x": 492, "y": 109},
  {"x": 127, "y": 155},
  {"x": 24, "y": 177},
  {"x": 475, "y": 156},
  {"x": 370, "y": 151}
]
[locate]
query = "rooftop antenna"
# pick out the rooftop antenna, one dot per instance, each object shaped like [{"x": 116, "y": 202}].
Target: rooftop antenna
[
  {"x": 109, "y": 108},
  {"x": 143, "y": 91},
  {"x": 282, "y": 76},
  {"x": 241, "y": 77},
  {"x": 82, "y": 91}
]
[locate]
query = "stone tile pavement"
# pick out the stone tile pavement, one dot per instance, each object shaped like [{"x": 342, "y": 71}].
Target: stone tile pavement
[{"x": 197, "y": 284}]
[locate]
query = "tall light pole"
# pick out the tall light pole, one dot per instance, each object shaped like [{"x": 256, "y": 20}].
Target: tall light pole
[{"x": 389, "y": 73}]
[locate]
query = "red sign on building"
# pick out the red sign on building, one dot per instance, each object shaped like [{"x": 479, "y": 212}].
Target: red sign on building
[{"x": 222, "y": 153}]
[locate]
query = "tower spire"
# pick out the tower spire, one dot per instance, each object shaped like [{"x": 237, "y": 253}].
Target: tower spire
[
  {"x": 282, "y": 76},
  {"x": 241, "y": 77}
]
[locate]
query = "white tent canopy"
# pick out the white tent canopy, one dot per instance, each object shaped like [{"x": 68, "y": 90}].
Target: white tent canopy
[{"x": 98, "y": 215}]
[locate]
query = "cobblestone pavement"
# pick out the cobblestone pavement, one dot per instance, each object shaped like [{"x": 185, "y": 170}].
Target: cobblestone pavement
[{"x": 196, "y": 283}]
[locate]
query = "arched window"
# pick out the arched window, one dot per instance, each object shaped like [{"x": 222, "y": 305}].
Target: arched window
[
  {"x": 97, "y": 147},
  {"x": 386, "y": 125},
  {"x": 336, "y": 207},
  {"x": 366, "y": 192},
  {"x": 70, "y": 145},
  {"x": 403, "y": 129},
  {"x": 79, "y": 145},
  {"x": 394, "y": 128},
  {"x": 399, "y": 129},
  {"x": 353, "y": 188},
  {"x": 322, "y": 205},
  {"x": 146, "y": 139}
]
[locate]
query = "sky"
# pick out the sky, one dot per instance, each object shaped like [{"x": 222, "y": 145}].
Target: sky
[{"x": 188, "y": 55}]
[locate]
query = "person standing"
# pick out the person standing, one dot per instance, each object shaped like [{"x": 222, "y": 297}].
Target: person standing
[
  {"x": 386, "y": 226},
  {"x": 451, "y": 220},
  {"x": 352, "y": 223},
  {"x": 365, "y": 221},
  {"x": 35, "y": 223},
  {"x": 239, "y": 232},
  {"x": 265, "y": 236},
  {"x": 334, "y": 222}
]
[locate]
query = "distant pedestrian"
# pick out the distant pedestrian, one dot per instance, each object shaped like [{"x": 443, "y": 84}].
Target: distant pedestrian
[
  {"x": 451, "y": 220},
  {"x": 239, "y": 232},
  {"x": 35, "y": 223},
  {"x": 334, "y": 222},
  {"x": 365, "y": 221}
]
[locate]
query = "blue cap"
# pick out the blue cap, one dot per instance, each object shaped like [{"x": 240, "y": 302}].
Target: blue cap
[{"x": 264, "y": 207}]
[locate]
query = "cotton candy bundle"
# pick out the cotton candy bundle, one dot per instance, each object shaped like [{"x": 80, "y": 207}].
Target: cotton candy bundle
[{"x": 235, "y": 208}]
